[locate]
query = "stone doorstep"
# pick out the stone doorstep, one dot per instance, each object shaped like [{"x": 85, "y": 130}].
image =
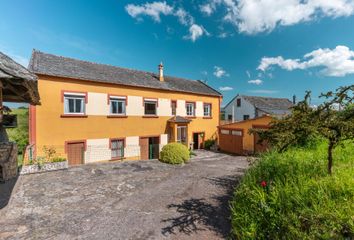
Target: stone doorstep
[{"x": 47, "y": 167}]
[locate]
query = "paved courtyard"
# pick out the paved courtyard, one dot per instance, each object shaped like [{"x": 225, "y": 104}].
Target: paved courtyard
[{"x": 126, "y": 200}]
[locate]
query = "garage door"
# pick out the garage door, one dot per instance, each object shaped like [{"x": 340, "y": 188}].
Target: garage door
[{"x": 231, "y": 141}]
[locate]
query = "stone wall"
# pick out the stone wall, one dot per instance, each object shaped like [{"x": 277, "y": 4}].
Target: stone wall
[{"x": 8, "y": 161}]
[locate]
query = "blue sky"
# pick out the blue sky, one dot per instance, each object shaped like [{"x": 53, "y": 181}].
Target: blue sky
[{"x": 272, "y": 48}]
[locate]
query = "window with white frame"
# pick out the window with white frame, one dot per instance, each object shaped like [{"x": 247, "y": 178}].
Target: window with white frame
[
  {"x": 182, "y": 134},
  {"x": 207, "y": 110},
  {"x": 117, "y": 105},
  {"x": 74, "y": 103},
  {"x": 150, "y": 107},
  {"x": 190, "y": 108}
]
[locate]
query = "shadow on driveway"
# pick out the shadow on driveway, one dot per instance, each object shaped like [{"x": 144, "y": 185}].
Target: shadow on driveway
[
  {"x": 6, "y": 189},
  {"x": 199, "y": 214}
]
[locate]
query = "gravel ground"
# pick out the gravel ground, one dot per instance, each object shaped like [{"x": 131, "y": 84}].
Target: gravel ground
[{"x": 126, "y": 200}]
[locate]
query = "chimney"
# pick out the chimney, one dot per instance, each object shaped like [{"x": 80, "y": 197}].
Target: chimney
[
  {"x": 294, "y": 99},
  {"x": 161, "y": 72}
]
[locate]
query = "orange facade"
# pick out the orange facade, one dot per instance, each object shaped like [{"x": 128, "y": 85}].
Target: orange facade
[{"x": 49, "y": 126}]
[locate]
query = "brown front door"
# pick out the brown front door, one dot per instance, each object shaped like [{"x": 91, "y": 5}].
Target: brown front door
[
  {"x": 76, "y": 153},
  {"x": 144, "y": 148}
]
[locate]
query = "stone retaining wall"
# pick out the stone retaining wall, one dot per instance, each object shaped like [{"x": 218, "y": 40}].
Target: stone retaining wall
[
  {"x": 44, "y": 168},
  {"x": 8, "y": 161}
]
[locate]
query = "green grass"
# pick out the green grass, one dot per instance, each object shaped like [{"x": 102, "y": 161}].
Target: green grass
[
  {"x": 300, "y": 201},
  {"x": 19, "y": 134}
]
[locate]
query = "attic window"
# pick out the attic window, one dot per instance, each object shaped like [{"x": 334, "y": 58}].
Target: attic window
[{"x": 238, "y": 102}]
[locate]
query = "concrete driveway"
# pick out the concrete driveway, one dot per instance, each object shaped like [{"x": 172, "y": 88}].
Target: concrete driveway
[{"x": 126, "y": 200}]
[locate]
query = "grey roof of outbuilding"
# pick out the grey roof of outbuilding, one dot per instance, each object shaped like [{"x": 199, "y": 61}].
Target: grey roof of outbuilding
[
  {"x": 52, "y": 65},
  {"x": 269, "y": 104},
  {"x": 19, "y": 85}
]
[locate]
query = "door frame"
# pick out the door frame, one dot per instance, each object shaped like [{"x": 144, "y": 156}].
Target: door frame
[
  {"x": 203, "y": 141},
  {"x": 73, "y": 142},
  {"x": 148, "y": 137}
]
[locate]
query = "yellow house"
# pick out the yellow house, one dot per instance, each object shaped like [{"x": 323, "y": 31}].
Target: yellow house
[{"x": 93, "y": 112}]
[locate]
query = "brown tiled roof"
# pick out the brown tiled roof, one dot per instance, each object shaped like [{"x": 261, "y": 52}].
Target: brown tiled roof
[
  {"x": 52, "y": 65},
  {"x": 179, "y": 119}
]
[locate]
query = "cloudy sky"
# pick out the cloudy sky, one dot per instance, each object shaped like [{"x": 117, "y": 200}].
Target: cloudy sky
[{"x": 254, "y": 47}]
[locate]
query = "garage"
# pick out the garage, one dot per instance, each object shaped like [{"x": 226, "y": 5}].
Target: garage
[
  {"x": 235, "y": 138},
  {"x": 231, "y": 140}
]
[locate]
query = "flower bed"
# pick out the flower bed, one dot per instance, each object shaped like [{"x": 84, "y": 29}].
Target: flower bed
[{"x": 46, "y": 167}]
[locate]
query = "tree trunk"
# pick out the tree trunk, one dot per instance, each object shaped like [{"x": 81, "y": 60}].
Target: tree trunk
[{"x": 330, "y": 157}]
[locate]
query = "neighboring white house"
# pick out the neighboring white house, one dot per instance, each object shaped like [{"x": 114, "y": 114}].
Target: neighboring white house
[{"x": 243, "y": 107}]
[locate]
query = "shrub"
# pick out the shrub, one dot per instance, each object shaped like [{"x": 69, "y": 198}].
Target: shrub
[
  {"x": 209, "y": 143},
  {"x": 290, "y": 196},
  {"x": 174, "y": 153},
  {"x": 58, "y": 159}
]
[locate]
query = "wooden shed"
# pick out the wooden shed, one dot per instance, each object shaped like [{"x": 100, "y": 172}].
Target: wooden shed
[
  {"x": 17, "y": 84},
  {"x": 234, "y": 137}
]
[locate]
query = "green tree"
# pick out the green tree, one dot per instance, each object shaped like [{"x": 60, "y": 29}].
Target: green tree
[{"x": 332, "y": 120}]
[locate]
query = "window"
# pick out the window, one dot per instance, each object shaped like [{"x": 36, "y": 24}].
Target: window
[
  {"x": 229, "y": 117},
  {"x": 117, "y": 106},
  {"x": 238, "y": 102},
  {"x": 207, "y": 110},
  {"x": 173, "y": 107},
  {"x": 117, "y": 148},
  {"x": 236, "y": 132},
  {"x": 150, "y": 107},
  {"x": 182, "y": 134},
  {"x": 227, "y": 132},
  {"x": 246, "y": 117},
  {"x": 190, "y": 109},
  {"x": 74, "y": 104}
]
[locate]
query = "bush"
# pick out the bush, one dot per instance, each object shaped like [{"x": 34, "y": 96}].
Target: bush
[
  {"x": 174, "y": 153},
  {"x": 209, "y": 143},
  {"x": 58, "y": 159},
  {"x": 290, "y": 196}
]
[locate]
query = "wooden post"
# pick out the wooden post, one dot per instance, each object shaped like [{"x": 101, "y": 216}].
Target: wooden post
[{"x": 3, "y": 134}]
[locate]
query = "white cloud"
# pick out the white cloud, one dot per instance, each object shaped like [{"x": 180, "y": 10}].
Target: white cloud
[
  {"x": 195, "y": 32},
  {"x": 226, "y": 88},
  {"x": 256, "y": 82},
  {"x": 219, "y": 72},
  {"x": 337, "y": 62},
  {"x": 207, "y": 8},
  {"x": 156, "y": 9},
  {"x": 263, "y": 91},
  {"x": 255, "y": 16},
  {"x": 184, "y": 17},
  {"x": 153, "y": 10}
]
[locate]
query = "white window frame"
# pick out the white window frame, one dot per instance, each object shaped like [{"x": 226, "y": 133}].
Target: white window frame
[
  {"x": 179, "y": 134},
  {"x": 76, "y": 96},
  {"x": 208, "y": 113},
  {"x": 193, "y": 109},
  {"x": 118, "y": 99},
  {"x": 147, "y": 100}
]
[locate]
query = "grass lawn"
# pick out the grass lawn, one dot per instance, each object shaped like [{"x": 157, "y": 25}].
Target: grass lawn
[
  {"x": 290, "y": 196},
  {"x": 19, "y": 134}
]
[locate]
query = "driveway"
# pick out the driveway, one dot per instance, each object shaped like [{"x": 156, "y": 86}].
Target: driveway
[{"x": 126, "y": 200}]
